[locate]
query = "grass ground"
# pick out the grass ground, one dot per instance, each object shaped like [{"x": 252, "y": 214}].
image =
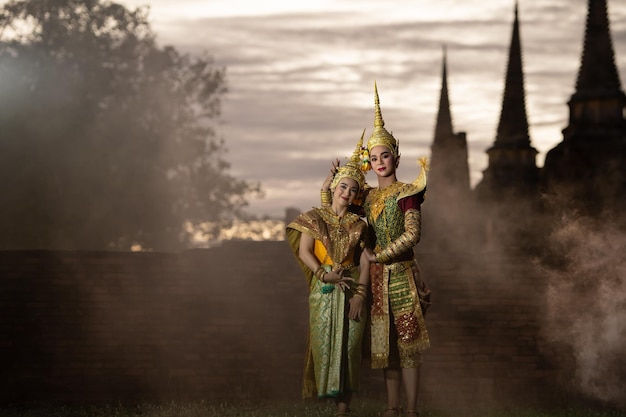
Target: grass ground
[{"x": 364, "y": 408}]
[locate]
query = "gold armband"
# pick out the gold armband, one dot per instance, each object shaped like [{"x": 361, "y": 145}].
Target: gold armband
[
  {"x": 406, "y": 241},
  {"x": 326, "y": 198}
]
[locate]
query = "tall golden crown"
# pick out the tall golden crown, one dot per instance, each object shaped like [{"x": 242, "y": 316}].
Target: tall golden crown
[
  {"x": 380, "y": 136},
  {"x": 352, "y": 169}
]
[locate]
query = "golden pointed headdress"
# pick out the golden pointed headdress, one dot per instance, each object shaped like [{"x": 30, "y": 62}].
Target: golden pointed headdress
[
  {"x": 380, "y": 136},
  {"x": 352, "y": 169}
]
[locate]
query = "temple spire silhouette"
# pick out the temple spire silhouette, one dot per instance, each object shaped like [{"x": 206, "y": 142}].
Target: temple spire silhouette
[
  {"x": 512, "y": 169},
  {"x": 586, "y": 170},
  {"x": 598, "y": 99},
  {"x": 448, "y": 180},
  {"x": 449, "y": 173},
  {"x": 597, "y": 73},
  {"x": 443, "y": 127},
  {"x": 513, "y": 125}
]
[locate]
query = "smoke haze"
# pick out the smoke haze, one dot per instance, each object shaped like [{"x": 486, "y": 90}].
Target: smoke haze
[{"x": 586, "y": 302}]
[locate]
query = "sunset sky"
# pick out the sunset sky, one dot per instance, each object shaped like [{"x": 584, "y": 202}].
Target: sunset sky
[{"x": 301, "y": 74}]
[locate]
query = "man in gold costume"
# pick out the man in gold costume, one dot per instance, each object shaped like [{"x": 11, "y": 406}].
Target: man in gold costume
[
  {"x": 393, "y": 210},
  {"x": 328, "y": 243}
]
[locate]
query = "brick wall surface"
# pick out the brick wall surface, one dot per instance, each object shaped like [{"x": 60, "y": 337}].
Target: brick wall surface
[{"x": 230, "y": 322}]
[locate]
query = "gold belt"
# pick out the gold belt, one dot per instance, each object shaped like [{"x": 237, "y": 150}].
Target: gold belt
[{"x": 400, "y": 266}]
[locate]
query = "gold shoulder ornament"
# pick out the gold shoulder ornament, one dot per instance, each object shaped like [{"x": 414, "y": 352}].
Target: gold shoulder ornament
[{"x": 420, "y": 182}]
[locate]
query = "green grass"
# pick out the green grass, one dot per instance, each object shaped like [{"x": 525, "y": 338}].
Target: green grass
[{"x": 362, "y": 408}]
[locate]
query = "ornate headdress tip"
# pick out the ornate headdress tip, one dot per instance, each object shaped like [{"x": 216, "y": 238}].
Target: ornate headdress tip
[
  {"x": 380, "y": 135},
  {"x": 353, "y": 168},
  {"x": 378, "y": 116}
]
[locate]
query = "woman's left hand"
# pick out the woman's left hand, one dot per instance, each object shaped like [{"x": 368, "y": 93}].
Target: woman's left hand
[
  {"x": 336, "y": 277},
  {"x": 356, "y": 307}
]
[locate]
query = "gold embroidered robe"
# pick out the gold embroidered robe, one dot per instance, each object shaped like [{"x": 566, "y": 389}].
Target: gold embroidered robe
[
  {"x": 398, "y": 329},
  {"x": 333, "y": 354}
]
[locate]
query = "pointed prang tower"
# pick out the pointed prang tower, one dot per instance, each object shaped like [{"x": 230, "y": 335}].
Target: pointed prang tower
[
  {"x": 448, "y": 195},
  {"x": 587, "y": 169},
  {"x": 448, "y": 181},
  {"x": 512, "y": 171}
]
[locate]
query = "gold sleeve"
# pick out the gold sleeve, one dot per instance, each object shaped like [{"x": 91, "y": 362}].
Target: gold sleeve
[{"x": 406, "y": 241}]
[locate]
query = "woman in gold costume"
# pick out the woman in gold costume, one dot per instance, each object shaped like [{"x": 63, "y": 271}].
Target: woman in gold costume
[
  {"x": 398, "y": 330},
  {"x": 328, "y": 243}
]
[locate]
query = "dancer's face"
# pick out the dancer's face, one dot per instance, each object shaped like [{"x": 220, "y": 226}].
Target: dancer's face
[
  {"x": 383, "y": 162},
  {"x": 345, "y": 192}
]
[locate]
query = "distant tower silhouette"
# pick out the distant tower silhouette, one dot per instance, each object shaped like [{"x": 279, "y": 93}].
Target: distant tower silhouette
[
  {"x": 448, "y": 181},
  {"x": 508, "y": 192},
  {"x": 587, "y": 169},
  {"x": 448, "y": 195},
  {"x": 512, "y": 170}
]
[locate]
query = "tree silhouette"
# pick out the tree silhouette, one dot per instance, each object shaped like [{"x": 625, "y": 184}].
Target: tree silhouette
[{"x": 106, "y": 139}]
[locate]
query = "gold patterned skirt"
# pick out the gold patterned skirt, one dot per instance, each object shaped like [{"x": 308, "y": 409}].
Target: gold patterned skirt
[
  {"x": 399, "y": 333},
  {"x": 335, "y": 343}
]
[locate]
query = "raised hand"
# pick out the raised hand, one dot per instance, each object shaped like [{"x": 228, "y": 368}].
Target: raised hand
[{"x": 334, "y": 166}]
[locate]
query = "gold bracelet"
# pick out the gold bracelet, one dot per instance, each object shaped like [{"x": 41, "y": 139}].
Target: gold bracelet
[
  {"x": 319, "y": 273},
  {"x": 360, "y": 295},
  {"x": 362, "y": 292}
]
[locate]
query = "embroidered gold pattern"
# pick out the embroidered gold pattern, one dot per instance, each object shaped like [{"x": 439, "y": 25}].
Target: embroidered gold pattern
[
  {"x": 407, "y": 327},
  {"x": 376, "y": 283},
  {"x": 393, "y": 283},
  {"x": 333, "y": 356},
  {"x": 339, "y": 235}
]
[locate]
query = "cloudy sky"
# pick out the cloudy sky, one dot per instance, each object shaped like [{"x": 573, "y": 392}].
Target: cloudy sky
[{"x": 301, "y": 75}]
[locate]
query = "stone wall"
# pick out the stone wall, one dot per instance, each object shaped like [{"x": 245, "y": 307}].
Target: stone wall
[{"x": 230, "y": 323}]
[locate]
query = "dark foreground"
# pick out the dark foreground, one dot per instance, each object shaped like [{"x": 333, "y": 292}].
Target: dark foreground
[{"x": 364, "y": 408}]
